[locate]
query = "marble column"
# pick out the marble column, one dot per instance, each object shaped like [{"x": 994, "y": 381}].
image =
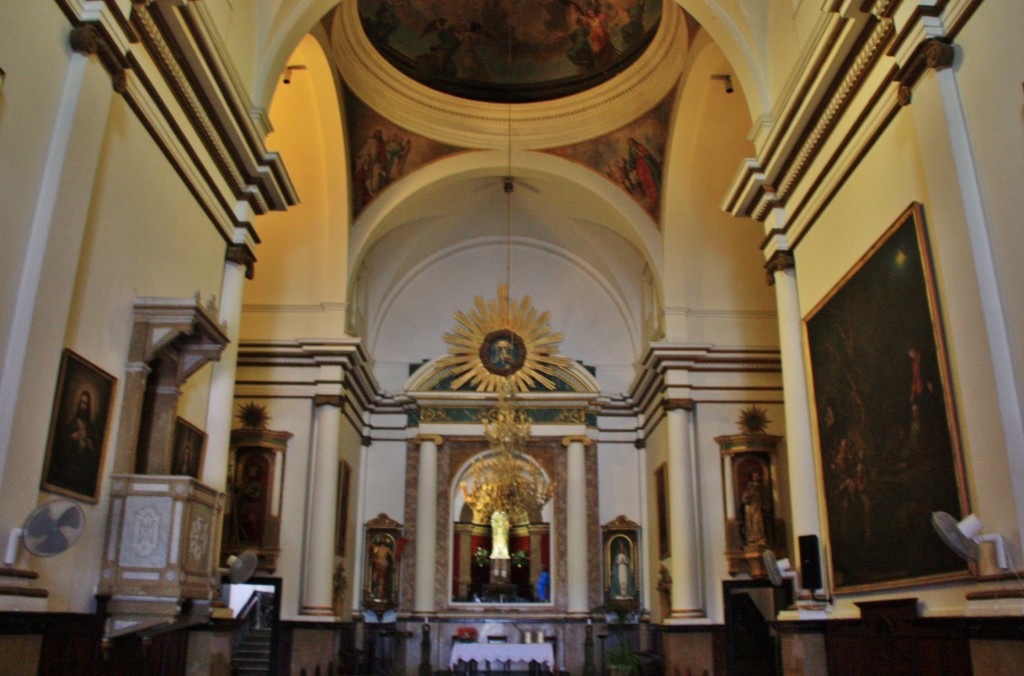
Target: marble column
[
  {"x": 426, "y": 523},
  {"x": 803, "y": 494},
  {"x": 684, "y": 549},
  {"x": 238, "y": 266},
  {"x": 577, "y": 574},
  {"x": 318, "y": 588}
]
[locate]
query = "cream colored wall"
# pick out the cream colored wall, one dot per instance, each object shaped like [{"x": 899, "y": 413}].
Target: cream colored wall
[
  {"x": 912, "y": 162},
  {"x": 28, "y": 106},
  {"x": 714, "y": 286},
  {"x": 167, "y": 249}
]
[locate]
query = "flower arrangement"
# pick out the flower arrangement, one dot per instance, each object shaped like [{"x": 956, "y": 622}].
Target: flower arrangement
[
  {"x": 520, "y": 559},
  {"x": 481, "y": 557},
  {"x": 465, "y": 635}
]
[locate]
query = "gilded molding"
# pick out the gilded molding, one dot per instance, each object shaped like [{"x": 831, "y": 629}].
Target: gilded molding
[
  {"x": 436, "y": 438},
  {"x": 779, "y": 261},
  {"x": 241, "y": 254},
  {"x": 585, "y": 440}
]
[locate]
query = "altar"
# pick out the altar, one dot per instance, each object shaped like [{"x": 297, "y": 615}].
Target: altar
[{"x": 505, "y": 653}]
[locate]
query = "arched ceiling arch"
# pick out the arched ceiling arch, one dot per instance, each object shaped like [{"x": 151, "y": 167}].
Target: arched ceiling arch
[{"x": 575, "y": 192}]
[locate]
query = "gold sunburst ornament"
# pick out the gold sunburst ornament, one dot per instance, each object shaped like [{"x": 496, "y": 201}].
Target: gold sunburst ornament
[{"x": 503, "y": 339}]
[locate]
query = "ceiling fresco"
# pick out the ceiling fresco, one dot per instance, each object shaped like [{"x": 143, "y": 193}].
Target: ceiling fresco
[
  {"x": 383, "y": 152},
  {"x": 551, "y": 48},
  {"x": 632, "y": 156}
]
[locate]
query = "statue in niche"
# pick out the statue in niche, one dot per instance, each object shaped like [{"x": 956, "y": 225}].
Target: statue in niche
[
  {"x": 250, "y": 500},
  {"x": 382, "y": 559},
  {"x": 756, "y": 508},
  {"x": 499, "y": 536}
]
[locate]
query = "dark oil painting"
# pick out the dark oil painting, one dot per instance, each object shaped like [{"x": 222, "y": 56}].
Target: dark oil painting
[
  {"x": 78, "y": 429},
  {"x": 887, "y": 430}
]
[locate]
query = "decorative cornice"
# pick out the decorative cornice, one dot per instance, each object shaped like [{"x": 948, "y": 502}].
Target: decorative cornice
[
  {"x": 203, "y": 126},
  {"x": 241, "y": 254},
  {"x": 934, "y": 53},
  {"x": 779, "y": 261},
  {"x": 854, "y": 42}
]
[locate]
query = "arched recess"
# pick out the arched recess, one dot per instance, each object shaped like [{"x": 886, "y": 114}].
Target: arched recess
[
  {"x": 715, "y": 290},
  {"x": 303, "y": 250},
  {"x": 620, "y": 333}
]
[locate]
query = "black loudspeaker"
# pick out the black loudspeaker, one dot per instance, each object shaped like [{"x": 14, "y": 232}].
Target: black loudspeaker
[{"x": 810, "y": 562}]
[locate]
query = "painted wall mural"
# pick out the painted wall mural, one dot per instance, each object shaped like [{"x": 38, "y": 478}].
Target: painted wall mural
[
  {"x": 551, "y": 48},
  {"x": 632, "y": 157},
  {"x": 381, "y": 152}
]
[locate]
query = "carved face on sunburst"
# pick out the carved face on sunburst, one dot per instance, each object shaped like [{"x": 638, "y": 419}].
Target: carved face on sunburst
[{"x": 501, "y": 340}]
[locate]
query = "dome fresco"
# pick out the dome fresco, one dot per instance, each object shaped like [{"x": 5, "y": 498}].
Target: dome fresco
[{"x": 549, "y": 49}]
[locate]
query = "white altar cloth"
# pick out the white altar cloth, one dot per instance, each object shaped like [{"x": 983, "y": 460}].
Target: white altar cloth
[{"x": 542, "y": 653}]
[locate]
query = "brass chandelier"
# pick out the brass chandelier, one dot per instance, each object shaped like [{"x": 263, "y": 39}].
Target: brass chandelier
[{"x": 505, "y": 481}]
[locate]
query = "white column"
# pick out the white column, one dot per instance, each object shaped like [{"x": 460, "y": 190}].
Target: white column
[
  {"x": 426, "y": 523},
  {"x": 803, "y": 494},
  {"x": 993, "y": 299},
  {"x": 220, "y": 409},
  {"x": 43, "y": 289},
  {"x": 318, "y": 588},
  {"x": 682, "y": 514},
  {"x": 359, "y": 551},
  {"x": 577, "y": 574}
]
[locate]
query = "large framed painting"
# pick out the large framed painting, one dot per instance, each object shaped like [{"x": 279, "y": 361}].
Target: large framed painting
[
  {"x": 886, "y": 423},
  {"x": 189, "y": 446},
  {"x": 78, "y": 429}
]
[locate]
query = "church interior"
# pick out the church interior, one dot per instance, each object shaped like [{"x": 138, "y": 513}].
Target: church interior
[{"x": 532, "y": 336}]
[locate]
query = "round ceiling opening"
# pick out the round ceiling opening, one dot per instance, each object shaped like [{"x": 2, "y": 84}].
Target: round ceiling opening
[{"x": 545, "y": 50}]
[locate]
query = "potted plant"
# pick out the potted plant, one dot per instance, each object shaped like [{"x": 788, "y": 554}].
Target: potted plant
[{"x": 621, "y": 660}]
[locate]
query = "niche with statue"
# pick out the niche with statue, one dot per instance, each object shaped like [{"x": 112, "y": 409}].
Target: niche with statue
[
  {"x": 752, "y": 522},
  {"x": 255, "y": 478}
]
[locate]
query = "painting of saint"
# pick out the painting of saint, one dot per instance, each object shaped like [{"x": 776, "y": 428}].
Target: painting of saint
[
  {"x": 188, "y": 449},
  {"x": 78, "y": 427}
]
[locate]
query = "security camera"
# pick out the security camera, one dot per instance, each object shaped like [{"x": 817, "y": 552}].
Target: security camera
[
  {"x": 727, "y": 79},
  {"x": 287, "y": 77}
]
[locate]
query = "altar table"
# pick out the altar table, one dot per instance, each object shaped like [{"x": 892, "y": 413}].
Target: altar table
[{"x": 541, "y": 653}]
